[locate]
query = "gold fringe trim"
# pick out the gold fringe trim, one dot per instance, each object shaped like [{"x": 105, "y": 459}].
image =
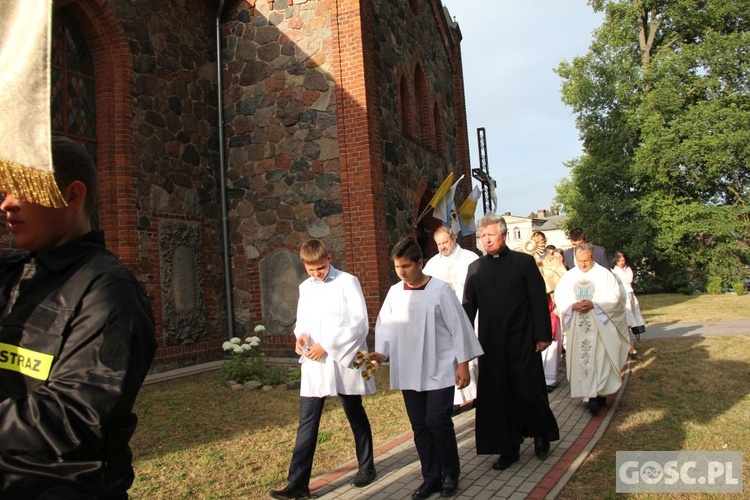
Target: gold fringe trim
[{"x": 30, "y": 184}]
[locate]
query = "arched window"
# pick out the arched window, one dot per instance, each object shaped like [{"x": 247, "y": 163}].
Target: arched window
[
  {"x": 407, "y": 111},
  {"x": 437, "y": 120},
  {"x": 423, "y": 130},
  {"x": 73, "y": 95},
  {"x": 516, "y": 233}
]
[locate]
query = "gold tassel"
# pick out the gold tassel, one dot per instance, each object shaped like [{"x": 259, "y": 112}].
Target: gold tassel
[{"x": 30, "y": 184}]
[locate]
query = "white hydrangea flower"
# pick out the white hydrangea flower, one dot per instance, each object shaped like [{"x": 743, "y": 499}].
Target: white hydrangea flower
[
  {"x": 253, "y": 341},
  {"x": 227, "y": 346},
  {"x": 237, "y": 349},
  {"x": 260, "y": 329},
  {"x": 235, "y": 340},
  {"x": 246, "y": 347}
]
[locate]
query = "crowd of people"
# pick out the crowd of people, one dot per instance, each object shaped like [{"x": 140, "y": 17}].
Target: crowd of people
[
  {"x": 462, "y": 330},
  {"x": 77, "y": 338}
]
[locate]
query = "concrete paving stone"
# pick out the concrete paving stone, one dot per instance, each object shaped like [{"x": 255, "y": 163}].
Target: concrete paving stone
[
  {"x": 472, "y": 491},
  {"x": 536, "y": 477},
  {"x": 526, "y": 487},
  {"x": 471, "y": 475},
  {"x": 515, "y": 481},
  {"x": 482, "y": 495},
  {"x": 518, "y": 495},
  {"x": 505, "y": 492},
  {"x": 524, "y": 472}
]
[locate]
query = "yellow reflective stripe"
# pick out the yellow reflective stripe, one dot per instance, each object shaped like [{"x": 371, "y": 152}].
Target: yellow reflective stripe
[{"x": 25, "y": 361}]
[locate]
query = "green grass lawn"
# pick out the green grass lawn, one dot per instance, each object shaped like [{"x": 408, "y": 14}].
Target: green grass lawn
[
  {"x": 198, "y": 439},
  {"x": 683, "y": 394}
]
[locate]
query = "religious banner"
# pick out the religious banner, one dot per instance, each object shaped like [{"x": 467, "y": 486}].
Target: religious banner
[
  {"x": 466, "y": 212},
  {"x": 441, "y": 192},
  {"x": 25, "y": 128}
]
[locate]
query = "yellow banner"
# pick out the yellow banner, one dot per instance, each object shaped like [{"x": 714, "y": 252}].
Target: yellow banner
[{"x": 25, "y": 361}]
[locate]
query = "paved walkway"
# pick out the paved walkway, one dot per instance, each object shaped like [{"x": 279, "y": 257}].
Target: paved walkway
[{"x": 398, "y": 465}]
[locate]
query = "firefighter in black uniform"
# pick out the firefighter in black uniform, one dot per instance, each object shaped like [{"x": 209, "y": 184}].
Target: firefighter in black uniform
[{"x": 76, "y": 341}]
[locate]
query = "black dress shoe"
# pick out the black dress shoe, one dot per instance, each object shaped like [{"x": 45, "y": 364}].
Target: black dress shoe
[
  {"x": 450, "y": 485},
  {"x": 364, "y": 477},
  {"x": 541, "y": 447},
  {"x": 292, "y": 491},
  {"x": 550, "y": 388},
  {"x": 426, "y": 490},
  {"x": 505, "y": 461},
  {"x": 594, "y": 406}
]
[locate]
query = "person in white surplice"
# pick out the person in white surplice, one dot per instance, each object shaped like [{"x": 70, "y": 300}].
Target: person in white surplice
[
  {"x": 551, "y": 269},
  {"x": 593, "y": 317},
  {"x": 450, "y": 265},
  {"x": 428, "y": 337},
  {"x": 331, "y": 329}
]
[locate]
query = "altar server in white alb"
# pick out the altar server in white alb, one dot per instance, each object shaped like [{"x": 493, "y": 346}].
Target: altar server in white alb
[
  {"x": 450, "y": 265},
  {"x": 593, "y": 317},
  {"x": 425, "y": 332},
  {"x": 331, "y": 329}
]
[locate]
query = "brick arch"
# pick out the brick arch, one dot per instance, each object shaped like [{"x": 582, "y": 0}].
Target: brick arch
[{"x": 114, "y": 122}]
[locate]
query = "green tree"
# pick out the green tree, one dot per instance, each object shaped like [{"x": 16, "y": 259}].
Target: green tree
[{"x": 662, "y": 101}]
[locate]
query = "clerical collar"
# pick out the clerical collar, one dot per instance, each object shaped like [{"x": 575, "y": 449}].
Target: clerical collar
[{"x": 502, "y": 252}]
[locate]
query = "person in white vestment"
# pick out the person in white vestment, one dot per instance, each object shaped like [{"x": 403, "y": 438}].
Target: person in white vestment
[
  {"x": 593, "y": 317},
  {"x": 551, "y": 269},
  {"x": 450, "y": 265},
  {"x": 331, "y": 329},
  {"x": 624, "y": 272},
  {"x": 425, "y": 332}
]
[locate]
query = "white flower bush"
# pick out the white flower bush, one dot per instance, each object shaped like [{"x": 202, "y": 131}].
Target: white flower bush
[{"x": 247, "y": 361}]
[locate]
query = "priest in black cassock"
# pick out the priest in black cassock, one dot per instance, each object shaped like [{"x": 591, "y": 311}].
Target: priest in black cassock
[{"x": 508, "y": 291}]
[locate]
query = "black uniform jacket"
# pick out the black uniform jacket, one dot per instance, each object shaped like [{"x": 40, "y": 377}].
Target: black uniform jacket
[{"x": 76, "y": 341}]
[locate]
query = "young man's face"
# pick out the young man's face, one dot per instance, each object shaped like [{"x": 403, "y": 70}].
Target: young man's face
[
  {"x": 445, "y": 243},
  {"x": 34, "y": 227},
  {"x": 408, "y": 271},
  {"x": 319, "y": 270}
]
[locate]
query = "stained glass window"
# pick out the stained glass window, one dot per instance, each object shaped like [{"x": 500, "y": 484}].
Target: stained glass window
[{"x": 73, "y": 84}]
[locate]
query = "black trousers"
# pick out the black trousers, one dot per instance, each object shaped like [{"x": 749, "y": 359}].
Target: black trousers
[
  {"x": 430, "y": 414},
  {"x": 310, "y": 411}
]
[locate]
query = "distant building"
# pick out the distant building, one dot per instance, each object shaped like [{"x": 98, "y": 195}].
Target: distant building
[{"x": 520, "y": 229}]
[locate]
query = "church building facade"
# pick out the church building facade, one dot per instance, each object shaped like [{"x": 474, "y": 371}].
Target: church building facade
[{"x": 335, "y": 119}]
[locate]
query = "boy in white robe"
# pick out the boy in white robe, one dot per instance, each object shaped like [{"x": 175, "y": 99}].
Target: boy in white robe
[
  {"x": 331, "y": 329},
  {"x": 593, "y": 317},
  {"x": 424, "y": 330}
]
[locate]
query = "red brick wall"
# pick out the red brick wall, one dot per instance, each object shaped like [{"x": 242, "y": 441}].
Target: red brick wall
[{"x": 359, "y": 147}]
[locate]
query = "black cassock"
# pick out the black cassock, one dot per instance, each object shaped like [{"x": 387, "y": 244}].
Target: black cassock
[{"x": 508, "y": 292}]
